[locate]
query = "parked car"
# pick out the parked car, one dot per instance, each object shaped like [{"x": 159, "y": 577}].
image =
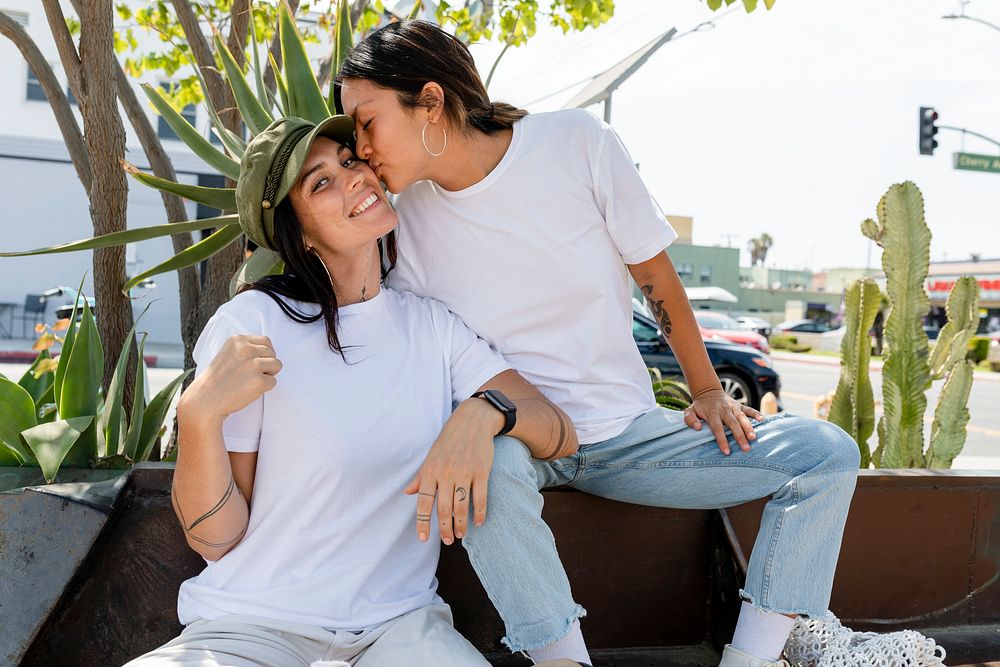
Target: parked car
[
  {"x": 802, "y": 326},
  {"x": 715, "y": 326},
  {"x": 758, "y": 324},
  {"x": 746, "y": 374}
]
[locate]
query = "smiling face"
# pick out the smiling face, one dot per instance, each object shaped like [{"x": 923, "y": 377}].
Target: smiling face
[
  {"x": 339, "y": 202},
  {"x": 389, "y": 134}
]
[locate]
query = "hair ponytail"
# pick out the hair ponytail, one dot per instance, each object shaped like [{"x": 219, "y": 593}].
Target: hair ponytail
[{"x": 407, "y": 55}]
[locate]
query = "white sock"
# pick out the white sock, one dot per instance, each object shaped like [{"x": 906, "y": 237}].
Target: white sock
[
  {"x": 570, "y": 647},
  {"x": 762, "y": 633}
]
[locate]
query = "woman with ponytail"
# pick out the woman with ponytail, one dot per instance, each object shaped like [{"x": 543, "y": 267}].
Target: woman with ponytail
[{"x": 528, "y": 227}]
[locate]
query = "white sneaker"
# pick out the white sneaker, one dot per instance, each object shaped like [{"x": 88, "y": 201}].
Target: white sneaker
[
  {"x": 732, "y": 657},
  {"x": 825, "y": 642}
]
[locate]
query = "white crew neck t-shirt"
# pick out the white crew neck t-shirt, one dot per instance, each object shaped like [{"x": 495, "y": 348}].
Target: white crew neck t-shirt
[
  {"x": 533, "y": 258},
  {"x": 332, "y": 538}
]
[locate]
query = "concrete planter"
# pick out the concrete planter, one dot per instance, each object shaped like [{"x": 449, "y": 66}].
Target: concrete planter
[{"x": 922, "y": 550}]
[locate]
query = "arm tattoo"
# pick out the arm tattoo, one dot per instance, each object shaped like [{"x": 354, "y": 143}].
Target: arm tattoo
[
  {"x": 559, "y": 418},
  {"x": 659, "y": 312},
  {"x": 218, "y": 506}
]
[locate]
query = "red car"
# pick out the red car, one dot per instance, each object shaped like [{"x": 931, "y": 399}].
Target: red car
[{"x": 717, "y": 326}]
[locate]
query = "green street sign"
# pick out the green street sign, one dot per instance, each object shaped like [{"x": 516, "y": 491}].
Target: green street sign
[{"x": 975, "y": 162}]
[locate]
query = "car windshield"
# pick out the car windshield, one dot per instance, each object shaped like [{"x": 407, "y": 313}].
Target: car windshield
[{"x": 716, "y": 321}]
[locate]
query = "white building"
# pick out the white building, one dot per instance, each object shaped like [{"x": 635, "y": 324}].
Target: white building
[{"x": 45, "y": 204}]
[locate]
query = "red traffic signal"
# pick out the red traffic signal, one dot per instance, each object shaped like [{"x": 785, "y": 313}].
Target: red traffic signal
[{"x": 928, "y": 128}]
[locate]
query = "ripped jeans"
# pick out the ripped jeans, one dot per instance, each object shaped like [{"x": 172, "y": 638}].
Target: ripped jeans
[{"x": 805, "y": 465}]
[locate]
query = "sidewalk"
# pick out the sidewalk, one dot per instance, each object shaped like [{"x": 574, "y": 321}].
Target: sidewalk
[
  {"x": 875, "y": 365},
  {"x": 157, "y": 355}
]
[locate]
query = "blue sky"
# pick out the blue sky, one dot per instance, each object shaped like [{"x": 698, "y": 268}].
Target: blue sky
[{"x": 793, "y": 121}]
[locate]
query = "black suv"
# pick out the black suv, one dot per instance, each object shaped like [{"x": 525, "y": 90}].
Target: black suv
[{"x": 746, "y": 374}]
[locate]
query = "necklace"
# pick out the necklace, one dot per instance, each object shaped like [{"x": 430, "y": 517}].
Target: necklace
[{"x": 364, "y": 284}]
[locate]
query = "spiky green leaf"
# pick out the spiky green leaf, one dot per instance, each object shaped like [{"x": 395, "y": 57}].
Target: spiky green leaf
[
  {"x": 304, "y": 96},
  {"x": 193, "y": 139},
  {"x": 415, "y": 12},
  {"x": 948, "y": 430},
  {"x": 191, "y": 255},
  {"x": 51, "y": 443},
  {"x": 111, "y": 421},
  {"x": 251, "y": 110},
  {"x": 342, "y": 45},
  {"x": 17, "y": 413},
  {"x": 67, "y": 346},
  {"x": 223, "y": 199},
  {"x": 262, "y": 262},
  {"x": 131, "y": 442},
  {"x": 155, "y": 413},
  {"x": 79, "y": 395},
  {"x": 128, "y": 236},
  {"x": 279, "y": 83},
  {"x": 37, "y": 387}
]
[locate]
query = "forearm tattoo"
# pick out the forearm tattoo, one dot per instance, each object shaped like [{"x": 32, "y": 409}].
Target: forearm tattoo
[
  {"x": 561, "y": 419},
  {"x": 659, "y": 312},
  {"x": 218, "y": 506}
]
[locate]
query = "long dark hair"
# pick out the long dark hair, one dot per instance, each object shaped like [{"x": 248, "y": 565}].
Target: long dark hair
[
  {"x": 406, "y": 55},
  {"x": 305, "y": 279}
]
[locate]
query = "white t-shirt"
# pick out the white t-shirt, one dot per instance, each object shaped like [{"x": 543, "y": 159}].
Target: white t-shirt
[
  {"x": 533, "y": 259},
  {"x": 332, "y": 538}
]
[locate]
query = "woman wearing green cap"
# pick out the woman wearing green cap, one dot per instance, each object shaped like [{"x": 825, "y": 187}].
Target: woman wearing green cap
[
  {"x": 318, "y": 396},
  {"x": 528, "y": 227}
]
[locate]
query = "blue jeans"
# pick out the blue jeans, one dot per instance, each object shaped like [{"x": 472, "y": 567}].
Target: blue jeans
[{"x": 806, "y": 465}]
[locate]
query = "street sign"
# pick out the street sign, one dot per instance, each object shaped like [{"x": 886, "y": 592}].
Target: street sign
[{"x": 976, "y": 162}]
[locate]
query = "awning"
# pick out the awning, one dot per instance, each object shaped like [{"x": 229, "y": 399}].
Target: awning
[{"x": 710, "y": 294}]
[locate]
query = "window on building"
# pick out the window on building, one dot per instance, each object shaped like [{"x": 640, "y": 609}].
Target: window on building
[
  {"x": 685, "y": 271},
  {"x": 706, "y": 275},
  {"x": 163, "y": 130},
  {"x": 34, "y": 88}
]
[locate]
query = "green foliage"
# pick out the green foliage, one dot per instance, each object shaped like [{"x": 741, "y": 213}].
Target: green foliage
[
  {"x": 799, "y": 347},
  {"x": 909, "y": 367},
  {"x": 749, "y": 5},
  {"x": 978, "y": 349},
  {"x": 85, "y": 428},
  {"x": 670, "y": 393},
  {"x": 853, "y": 406},
  {"x": 782, "y": 341}
]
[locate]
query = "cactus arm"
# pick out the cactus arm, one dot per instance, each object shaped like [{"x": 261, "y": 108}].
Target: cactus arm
[
  {"x": 951, "y": 417},
  {"x": 853, "y": 407},
  {"x": 963, "y": 318}
]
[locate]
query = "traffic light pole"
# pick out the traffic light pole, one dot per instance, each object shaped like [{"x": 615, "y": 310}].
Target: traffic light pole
[{"x": 965, "y": 131}]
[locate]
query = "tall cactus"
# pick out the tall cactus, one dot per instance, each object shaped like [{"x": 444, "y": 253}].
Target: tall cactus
[
  {"x": 905, "y": 239},
  {"x": 909, "y": 368},
  {"x": 853, "y": 407}
]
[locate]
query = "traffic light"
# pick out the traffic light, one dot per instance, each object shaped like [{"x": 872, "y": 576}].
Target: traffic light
[{"x": 928, "y": 128}]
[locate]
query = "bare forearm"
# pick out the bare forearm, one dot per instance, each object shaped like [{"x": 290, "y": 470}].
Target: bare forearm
[
  {"x": 208, "y": 503},
  {"x": 669, "y": 304},
  {"x": 544, "y": 429}
]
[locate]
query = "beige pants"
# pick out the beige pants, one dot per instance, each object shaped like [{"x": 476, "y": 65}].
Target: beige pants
[{"x": 423, "y": 638}]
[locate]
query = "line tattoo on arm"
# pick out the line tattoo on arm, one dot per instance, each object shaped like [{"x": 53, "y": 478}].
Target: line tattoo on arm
[
  {"x": 659, "y": 312},
  {"x": 218, "y": 506},
  {"x": 563, "y": 434}
]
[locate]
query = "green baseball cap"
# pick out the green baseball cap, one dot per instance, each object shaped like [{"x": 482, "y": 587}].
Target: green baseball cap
[{"x": 271, "y": 165}]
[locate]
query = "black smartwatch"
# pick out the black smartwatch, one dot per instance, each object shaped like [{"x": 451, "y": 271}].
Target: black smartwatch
[{"x": 501, "y": 403}]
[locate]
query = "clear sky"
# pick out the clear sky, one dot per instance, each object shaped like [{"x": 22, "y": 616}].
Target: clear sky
[{"x": 794, "y": 121}]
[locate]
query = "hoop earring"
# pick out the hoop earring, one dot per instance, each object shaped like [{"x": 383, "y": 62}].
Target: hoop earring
[
  {"x": 315, "y": 254},
  {"x": 423, "y": 138}
]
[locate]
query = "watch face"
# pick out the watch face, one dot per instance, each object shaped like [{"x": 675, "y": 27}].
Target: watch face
[{"x": 500, "y": 401}]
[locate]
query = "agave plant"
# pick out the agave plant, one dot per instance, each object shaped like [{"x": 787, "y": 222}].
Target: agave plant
[
  {"x": 56, "y": 414},
  {"x": 298, "y": 94},
  {"x": 670, "y": 393}
]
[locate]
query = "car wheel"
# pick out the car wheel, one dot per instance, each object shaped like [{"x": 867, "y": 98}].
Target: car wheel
[{"x": 737, "y": 389}]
